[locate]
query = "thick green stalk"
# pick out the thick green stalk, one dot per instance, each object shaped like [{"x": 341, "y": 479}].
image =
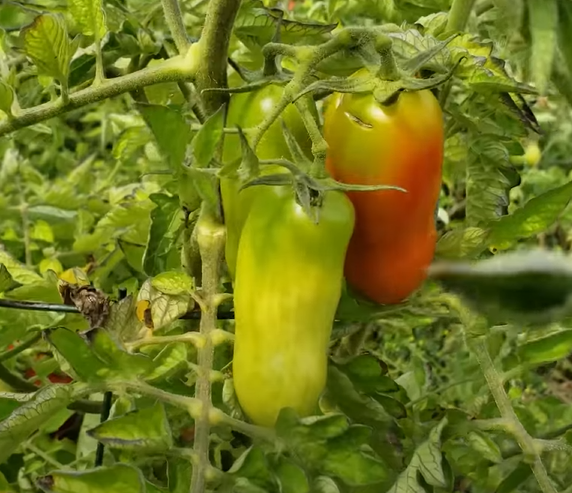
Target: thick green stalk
[
  {"x": 174, "y": 20},
  {"x": 459, "y": 14},
  {"x": 457, "y": 21},
  {"x": 6, "y": 355},
  {"x": 211, "y": 240},
  {"x": 214, "y": 43},
  {"x": 172, "y": 70}
]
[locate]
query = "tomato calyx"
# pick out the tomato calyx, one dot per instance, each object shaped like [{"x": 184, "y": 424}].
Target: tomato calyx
[
  {"x": 386, "y": 92},
  {"x": 309, "y": 190}
]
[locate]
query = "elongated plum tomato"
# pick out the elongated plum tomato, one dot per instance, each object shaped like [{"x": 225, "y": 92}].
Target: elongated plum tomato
[
  {"x": 399, "y": 144},
  {"x": 288, "y": 284},
  {"x": 248, "y": 110}
]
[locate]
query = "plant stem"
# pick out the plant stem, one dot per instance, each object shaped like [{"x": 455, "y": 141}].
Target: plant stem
[
  {"x": 211, "y": 240},
  {"x": 188, "y": 337},
  {"x": 514, "y": 426},
  {"x": 319, "y": 144},
  {"x": 58, "y": 307},
  {"x": 188, "y": 403},
  {"x": 6, "y": 355},
  {"x": 174, "y": 20},
  {"x": 40, "y": 453},
  {"x": 106, "y": 408},
  {"x": 459, "y": 15},
  {"x": 15, "y": 381},
  {"x": 214, "y": 43},
  {"x": 172, "y": 70}
]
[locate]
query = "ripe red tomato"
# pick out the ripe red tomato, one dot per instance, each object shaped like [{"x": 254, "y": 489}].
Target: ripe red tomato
[{"x": 399, "y": 144}]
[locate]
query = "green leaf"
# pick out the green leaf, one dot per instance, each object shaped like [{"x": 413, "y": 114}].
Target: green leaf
[
  {"x": 206, "y": 185},
  {"x": 362, "y": 408},
  {"x": 166, "y": 221},
  {"x": 146, "y": 430},
  {"x": 4, "y": 485},
  {"x": 171, "y": 131},
  {"x": 291, "y": 477},
  {"x": 130, "y": 142},
  {"x": 527, "y": 286},
  {"x": 26, "y": 419},
  {"x": 545, "y": 349},
  {"x": 6, "y": 97},
  {"x": 462, "y": 243},
  {"x": 206, "y": 141},
  {"x": 100, "y": 360},
  {"x": 89, "y": 16},
  {"x": 518, "y": 476},
  {"x": 324, "y": 484},
  {"x": 19, "y": 272},
  {"x": 173, "y": 282},
  {"x": 169, "y": 361},
  {"x": 543, "y": 19},
  {"x": 533, "y": 218},
  {"x": 165, "y": 309},
  {"x": 253, "y": 466},
  {"x": 485, "y": 446},
  {"x": 122, "y": 320},
  {"x": 332, "y": 447},
  {"x": 487, "y": 182},
  {"x": 426, "y": 460},
  {"x": 256, "y": 26},
  {"x": 353, "y": 466},
  {"x": 46, "y": 42},
  {"x": 119, "y": 477},
  {"x": 6, "y": 280},
  {"x": 180, "y": 473}
]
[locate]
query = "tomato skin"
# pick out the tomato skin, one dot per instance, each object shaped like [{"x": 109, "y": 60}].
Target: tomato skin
[
  {"x": 248, "y": 110},
  {"x": 288, "y": 285},
  {"x": 402, "y": 145}
]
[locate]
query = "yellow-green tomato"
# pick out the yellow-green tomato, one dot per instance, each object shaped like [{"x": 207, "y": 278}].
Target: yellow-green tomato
[
  {"x": 248, "y": 110},
  {"x": 287, "y": 288}
]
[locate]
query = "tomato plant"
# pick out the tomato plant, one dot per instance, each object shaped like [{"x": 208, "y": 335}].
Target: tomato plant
[{"x": 371, "y": 339}]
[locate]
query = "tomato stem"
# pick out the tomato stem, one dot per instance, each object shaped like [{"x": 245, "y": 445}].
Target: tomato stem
[
  {"x": 388, "y": 67},
  {"x": 174, "y": 20},
  {"x": 214, "y": 45},
  {"x": 459, "y": 15},
  {"x": 319, "y": 144},
  {"x": 513, "y": 424},
  {"x": 308, "y": 57},
  {"x": 211, "y": 241},
  {"x": 475, "y": 331}
]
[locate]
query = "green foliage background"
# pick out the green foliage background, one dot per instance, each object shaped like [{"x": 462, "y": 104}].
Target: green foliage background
[{"x": 97, "y": 188}]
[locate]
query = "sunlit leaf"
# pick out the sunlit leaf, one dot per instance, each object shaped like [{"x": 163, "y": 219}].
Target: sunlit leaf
[
  {"x": 207, "y": 139},
  {"x": 545, "y": 349},
  {"x": 89, "y": 16},
  {"x": 46, "y": 42},
  {"x": 531, "y": 219},
  {"x": 142, "y": 430},
  {"x": 26, "y": 419}
]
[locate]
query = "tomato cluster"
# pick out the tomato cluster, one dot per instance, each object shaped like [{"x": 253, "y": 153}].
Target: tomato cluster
[{"x": 288, "y": 270}]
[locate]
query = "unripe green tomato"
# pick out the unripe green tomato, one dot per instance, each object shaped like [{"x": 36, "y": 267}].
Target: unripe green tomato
[
  {"x": 288, "y": 285},
  {"x": 248, "y": 110}
]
